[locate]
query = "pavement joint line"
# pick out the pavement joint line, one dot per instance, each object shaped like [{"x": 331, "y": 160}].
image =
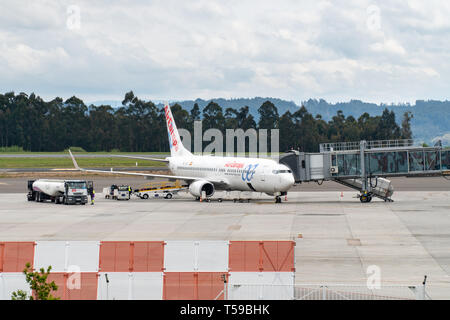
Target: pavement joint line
[
  {"x": 355, "y": 248},
  {"x": 447, "y": 274}
]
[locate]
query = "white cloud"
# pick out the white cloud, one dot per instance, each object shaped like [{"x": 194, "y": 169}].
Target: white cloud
[
  {"x": 174, "y": 50},
  {"x": 388, "y": 46},
  {"x": 445, "y": 139}
]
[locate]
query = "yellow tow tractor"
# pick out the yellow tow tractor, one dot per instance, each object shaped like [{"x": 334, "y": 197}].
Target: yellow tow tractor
[{"x": 165, "y": 189}]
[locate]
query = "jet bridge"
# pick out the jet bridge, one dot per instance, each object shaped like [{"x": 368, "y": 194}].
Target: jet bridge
[{"x": 365, "y": 165}]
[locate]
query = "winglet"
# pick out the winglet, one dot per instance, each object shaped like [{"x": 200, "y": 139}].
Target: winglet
[{"x": 74, "y": 161}]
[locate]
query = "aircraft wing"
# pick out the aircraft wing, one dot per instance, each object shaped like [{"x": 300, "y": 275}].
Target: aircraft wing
[
  {"x": 220, "y": 183},
  {"x": 142, "y": 158}
]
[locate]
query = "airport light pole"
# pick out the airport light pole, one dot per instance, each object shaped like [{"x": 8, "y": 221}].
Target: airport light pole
[
  {"x": 107, "y": 286},
  {"x": 224, "y": 279}
]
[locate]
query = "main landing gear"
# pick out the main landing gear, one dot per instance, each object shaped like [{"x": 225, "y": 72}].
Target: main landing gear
[
  {"x": 204, "y": 199},
  {"x": 277, "y": 199}
]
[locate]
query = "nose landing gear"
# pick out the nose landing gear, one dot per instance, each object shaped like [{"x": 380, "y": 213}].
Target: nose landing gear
[{"x": 278, "y": 196}]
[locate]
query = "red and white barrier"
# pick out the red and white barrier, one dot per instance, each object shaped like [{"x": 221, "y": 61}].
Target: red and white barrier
[{"x": 153, "y": 269}]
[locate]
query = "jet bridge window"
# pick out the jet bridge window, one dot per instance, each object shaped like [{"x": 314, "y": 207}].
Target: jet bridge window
[
  {"x": 348, "y": 164},
  {"x": 387, "y": 162},
  {"x": 416, "y": 162},
  {"x": 432, "y": 160},
  {"x": 446, "y": 160}
]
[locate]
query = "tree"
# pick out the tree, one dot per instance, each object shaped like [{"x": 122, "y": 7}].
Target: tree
[
  {"x": 245, "y": 119},
  {"x": 406, "y": 132},
  {"x": 387, "y": 127},
  {"x": 195, "y": 113},
  {"x": 268, "y": 116},
  {"x": 38, "y": 283},
  {"x": 213, "y": 117},
  {"x": 102, "y": 128},
  {"x": 368, "y": 127},
  {"x": 287, "y": 132},
  {"x": 181, "y": 116},
  {"x": 231, "y": 118}
]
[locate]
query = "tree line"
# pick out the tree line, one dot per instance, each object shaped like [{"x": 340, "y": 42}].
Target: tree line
[{"x": 33, "y": 124}]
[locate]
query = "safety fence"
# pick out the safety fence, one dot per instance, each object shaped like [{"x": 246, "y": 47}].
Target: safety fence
[
  {"x": 147, "y": 269},
  {"x": 191, "y": 270},
  {"x": 326, "y": 292}
]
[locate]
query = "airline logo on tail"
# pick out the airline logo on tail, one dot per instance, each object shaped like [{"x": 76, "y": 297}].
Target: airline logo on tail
[{"x": 170, "y": 124}]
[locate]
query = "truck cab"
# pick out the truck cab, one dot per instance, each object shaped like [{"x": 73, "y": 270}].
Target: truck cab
[{"x": 75, "y": 192}]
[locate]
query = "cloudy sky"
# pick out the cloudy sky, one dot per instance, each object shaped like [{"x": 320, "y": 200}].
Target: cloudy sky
[{"x": 378, "y": 51}]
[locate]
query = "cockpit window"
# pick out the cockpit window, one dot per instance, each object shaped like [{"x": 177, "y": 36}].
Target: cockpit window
[{"x": 281, "y": 171}]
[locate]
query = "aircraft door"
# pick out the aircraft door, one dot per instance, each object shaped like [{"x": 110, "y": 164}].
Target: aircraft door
[{"x": 264, "y": 172}]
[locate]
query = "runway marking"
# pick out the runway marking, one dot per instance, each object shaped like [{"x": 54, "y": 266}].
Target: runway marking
[{"x": 4, "y": 183}]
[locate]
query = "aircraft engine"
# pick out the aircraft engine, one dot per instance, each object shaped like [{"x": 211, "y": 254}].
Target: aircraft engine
[{"x": 197, "y": 187}]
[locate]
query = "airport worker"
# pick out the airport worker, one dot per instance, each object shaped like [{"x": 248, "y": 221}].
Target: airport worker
[{"x": 92, "y": 197}]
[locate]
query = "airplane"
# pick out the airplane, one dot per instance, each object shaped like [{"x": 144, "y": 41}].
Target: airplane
[{"x": 206, "y": 174}]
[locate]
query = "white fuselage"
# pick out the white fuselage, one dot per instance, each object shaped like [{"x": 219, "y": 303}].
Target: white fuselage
[{"x": 242, "y": 174}]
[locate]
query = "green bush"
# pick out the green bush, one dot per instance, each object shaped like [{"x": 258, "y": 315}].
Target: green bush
[
  {"x": 12, "y": 149},
  {"x": 37, "y": 281},
  {"x": 75, "y": 149}
]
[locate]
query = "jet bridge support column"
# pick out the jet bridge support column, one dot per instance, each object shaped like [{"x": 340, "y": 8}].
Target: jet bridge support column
[
  {"x": 366, "y": 192},
  {"x": 362, "y": 148}
]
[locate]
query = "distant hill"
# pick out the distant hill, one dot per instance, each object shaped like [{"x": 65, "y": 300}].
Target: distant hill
[{"x": 431, "y": 118}]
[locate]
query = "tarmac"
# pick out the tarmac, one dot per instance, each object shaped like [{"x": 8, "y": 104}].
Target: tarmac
[
  {"x": 17, "y": 182},
  {"x": 338, "y": 239}
]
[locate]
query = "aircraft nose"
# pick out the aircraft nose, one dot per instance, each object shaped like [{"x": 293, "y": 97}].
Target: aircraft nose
[{"x": 287, "y": 181}]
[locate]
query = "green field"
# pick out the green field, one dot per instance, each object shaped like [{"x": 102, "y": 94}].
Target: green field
[
  {"x": 82, "y": 162},
  {"x": 88, "y": 160},
  {"x": 84, "y": 153}
]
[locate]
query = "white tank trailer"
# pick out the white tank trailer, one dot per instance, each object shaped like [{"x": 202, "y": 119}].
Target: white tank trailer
[{"x": 59, "y": 191}]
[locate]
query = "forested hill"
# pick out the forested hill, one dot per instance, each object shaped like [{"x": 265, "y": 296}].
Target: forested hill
[
  {"x": 431, "y": 118},
  {"x": 29, "y": 122}
]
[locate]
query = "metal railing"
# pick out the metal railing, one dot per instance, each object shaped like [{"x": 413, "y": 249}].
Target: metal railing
[
  {"x": 325, "y": 292},
  {"x": 375, "y": 144},
  {"x": 359, "y": 292}
]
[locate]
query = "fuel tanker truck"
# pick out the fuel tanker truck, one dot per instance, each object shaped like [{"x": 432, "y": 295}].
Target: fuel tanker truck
[{"x": 59, "y": 191}]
